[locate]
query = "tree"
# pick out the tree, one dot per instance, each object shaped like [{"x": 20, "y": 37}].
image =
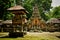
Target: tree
[
  {"x": 4, "y": 5},
  {"x": 44, "y": 5},
  {"x": 56, "y": 12},
  {"x": 53, "y": 13}
]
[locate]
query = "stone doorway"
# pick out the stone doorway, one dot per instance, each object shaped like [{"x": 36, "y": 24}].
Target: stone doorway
[{"x": 35, "y": 29}]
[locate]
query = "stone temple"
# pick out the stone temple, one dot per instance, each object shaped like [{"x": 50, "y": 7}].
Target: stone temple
[{"x": 36, "y": 23}]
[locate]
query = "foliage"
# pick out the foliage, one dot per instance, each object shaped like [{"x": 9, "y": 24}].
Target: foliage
[
  {"x": 53, "y": 13},
  {"x": 44, "y": 5},
  {"x": 4, "y": 5},
  {"x": 56, "y": 12}
]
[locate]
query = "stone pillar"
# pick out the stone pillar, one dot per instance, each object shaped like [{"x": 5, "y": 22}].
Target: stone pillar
[
  {"x": 47, "y": 27},
  {"x": 22, "y": 27},
  {"x": 8, "y": 27},
  {"x": 14, "y": 28},
  {"x": 26, "y": 29},
  {"x": 1, "y": 29}
]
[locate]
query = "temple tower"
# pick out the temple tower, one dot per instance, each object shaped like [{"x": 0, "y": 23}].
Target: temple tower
[
  {"x": 35, "y": 13},
  {"x": 36, "y": 22}
]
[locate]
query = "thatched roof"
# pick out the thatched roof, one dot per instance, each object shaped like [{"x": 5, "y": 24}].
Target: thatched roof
[
  {"x": 7, "y": 22},
  {"x": 53, "y": 20},
  {"x": 15, "y": 8}
]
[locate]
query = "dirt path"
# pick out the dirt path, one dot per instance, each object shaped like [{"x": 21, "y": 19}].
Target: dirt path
[{"x": 44, "y": 33}]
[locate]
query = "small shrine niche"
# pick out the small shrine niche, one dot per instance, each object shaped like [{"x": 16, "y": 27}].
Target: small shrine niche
[{"x": 19, "y": 18}]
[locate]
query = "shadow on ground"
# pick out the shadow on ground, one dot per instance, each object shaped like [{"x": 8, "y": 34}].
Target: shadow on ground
[
  {"x": 14, "y": 35},
  {"x": 58, "y": 36},
  {"x": 9, "y": 37}
]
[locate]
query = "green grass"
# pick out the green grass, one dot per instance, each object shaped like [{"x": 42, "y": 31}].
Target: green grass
[
  {"x": 27, "y": 37},
  {"x": 34, "y": 37}
]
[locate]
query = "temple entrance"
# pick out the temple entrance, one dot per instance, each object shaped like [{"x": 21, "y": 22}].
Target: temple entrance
[{"x": 35, "y": 29}]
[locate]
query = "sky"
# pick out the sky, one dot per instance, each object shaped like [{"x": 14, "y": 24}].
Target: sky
[{"x": 55, "y": 3}]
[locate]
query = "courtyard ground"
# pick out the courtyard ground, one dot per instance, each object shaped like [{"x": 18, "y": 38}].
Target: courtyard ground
[{"x": 35, "y": 36}]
